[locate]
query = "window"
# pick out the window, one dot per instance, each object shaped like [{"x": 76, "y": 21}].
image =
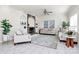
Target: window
[
  {"x": 49, "y": 24},
  {"x": 52, "y": 24},
  {"x": 45, "y": 24},
  {"x": 73, "y": 23}
]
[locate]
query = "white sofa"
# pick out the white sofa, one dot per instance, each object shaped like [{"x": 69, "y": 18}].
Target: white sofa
[
  {"x": 22, "y": 38},
  {"x": 48, "y": 31}
]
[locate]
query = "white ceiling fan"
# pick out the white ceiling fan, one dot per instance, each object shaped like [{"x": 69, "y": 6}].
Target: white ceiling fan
[{"x": 47, "y": 12}]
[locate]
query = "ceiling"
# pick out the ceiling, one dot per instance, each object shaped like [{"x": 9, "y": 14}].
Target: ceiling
[{"x": 38, "y": 9}]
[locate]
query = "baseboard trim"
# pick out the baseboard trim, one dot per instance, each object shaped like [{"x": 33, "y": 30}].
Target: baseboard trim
[
  {"x": 22, "y": 42},
  {"x": 65, "y": 41}
]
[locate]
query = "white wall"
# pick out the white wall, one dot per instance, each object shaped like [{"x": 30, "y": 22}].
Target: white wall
[
  {"x": 12, "y": 15},
  {"x": 57, "y": 17},
  {"x": 74, "y": 10}
]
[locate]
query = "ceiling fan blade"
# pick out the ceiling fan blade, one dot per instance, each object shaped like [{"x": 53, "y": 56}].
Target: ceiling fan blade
[{"x": 45, "y": 11}]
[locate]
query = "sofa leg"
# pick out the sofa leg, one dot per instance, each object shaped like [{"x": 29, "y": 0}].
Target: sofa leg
[
  {"x": 22, "y": 42},
  {"x": 14, "y": 44},
  {"x": 29, "y": 42}
]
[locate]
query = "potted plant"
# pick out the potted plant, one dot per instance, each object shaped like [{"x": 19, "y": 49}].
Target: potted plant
[
  {"x": 65, "y": 24},
  {"x": 6, "y": 28},
  {"x": 69, "y": 33}
]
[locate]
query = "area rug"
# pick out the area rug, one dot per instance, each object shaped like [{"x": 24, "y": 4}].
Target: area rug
[{"x": 45, "y": 40}]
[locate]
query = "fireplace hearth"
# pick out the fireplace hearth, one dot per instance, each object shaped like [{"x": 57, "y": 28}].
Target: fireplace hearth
[{"x": 31, "y": 30}]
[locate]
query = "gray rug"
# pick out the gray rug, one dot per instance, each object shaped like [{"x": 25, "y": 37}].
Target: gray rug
[{"x": 45, "y": 40}]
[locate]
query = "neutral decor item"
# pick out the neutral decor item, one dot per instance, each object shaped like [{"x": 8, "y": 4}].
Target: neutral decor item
[
  {"x": 6, "y": 29},
  {"x": 45, "y": 40}
]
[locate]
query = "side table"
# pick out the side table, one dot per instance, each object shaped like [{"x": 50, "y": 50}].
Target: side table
[{"x": 69, "y": 42}]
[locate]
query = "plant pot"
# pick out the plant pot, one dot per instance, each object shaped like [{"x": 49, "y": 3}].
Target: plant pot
[
  {"x": 69, "y": 33},
  {"x": 0, "y": 38},
  {"x": 5, "y": 37}
]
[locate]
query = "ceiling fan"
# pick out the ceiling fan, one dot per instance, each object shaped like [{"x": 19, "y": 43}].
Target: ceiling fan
[{"x": 47, "y": 12}]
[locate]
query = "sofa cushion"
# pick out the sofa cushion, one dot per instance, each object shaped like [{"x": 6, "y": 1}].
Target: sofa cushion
[{"x": 48, "y": 31}]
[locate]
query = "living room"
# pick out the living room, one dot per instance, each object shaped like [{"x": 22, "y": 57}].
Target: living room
[{"x": 39, "y": 27}]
